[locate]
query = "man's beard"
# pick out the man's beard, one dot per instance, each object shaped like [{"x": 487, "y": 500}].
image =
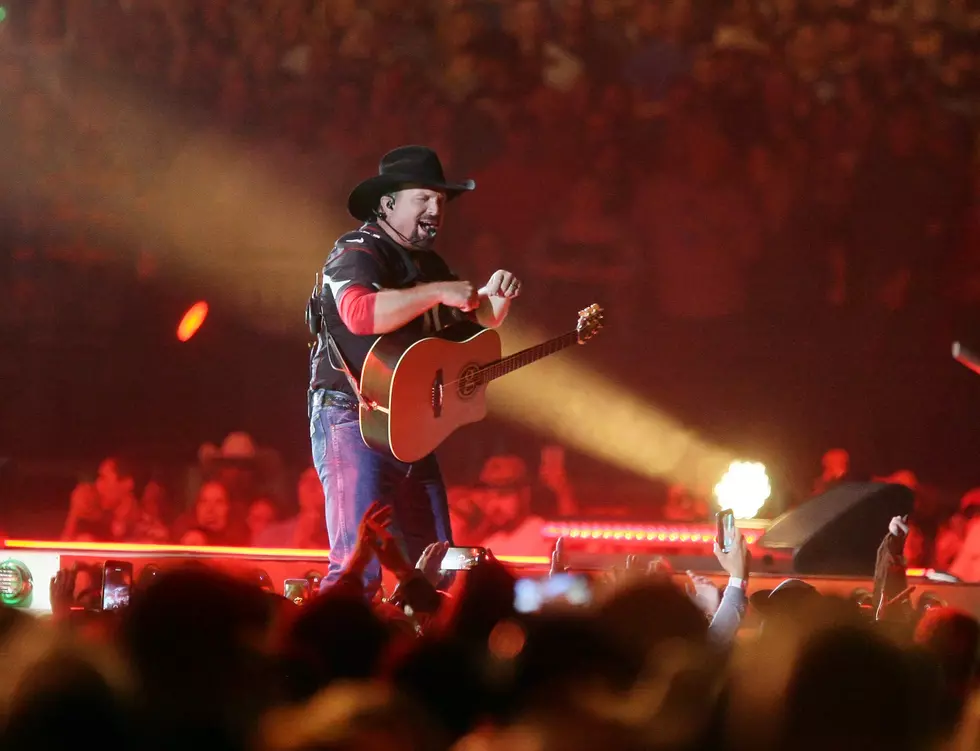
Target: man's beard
[{"x": 424, "y": 233}]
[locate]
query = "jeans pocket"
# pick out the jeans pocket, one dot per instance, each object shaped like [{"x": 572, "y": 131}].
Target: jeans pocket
[{"x": 341, "y": 418}]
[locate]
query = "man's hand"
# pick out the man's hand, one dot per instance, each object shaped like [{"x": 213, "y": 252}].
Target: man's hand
[
  {"x": 461, "y": 295},
  {"x": 704, "y": 592},
  {"x": 386, "y": 547},
  {"x": 430, "y": 562},
  {"x": 898, "y": 530},
  {"x": 502, "y": 284},
  {"x": 62, "y": 592},
  {"x": 377, "y": 516},
  {"x": 559, "y": 563},
  {"x": 736, "y": 560}
]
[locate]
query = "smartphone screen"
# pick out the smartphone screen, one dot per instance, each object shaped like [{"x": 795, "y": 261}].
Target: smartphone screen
[
  {"x": 461, "y": 559},
  {"x": 296, "y": 590},
  {"x": 531, "y": 594},
  {"x": 726, "y": 530},
  {"x": 117, "y": 581}
]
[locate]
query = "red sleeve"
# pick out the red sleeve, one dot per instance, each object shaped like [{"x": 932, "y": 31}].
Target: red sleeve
[{"x": 356, "y": 309}]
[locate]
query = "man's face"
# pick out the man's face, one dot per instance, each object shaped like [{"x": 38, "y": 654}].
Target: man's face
[
  {"x": 111, "y": 487},
  {"x": 414, "y": 213},
  {"x": 502, "y": 506},
  {"x": 261, "y": 513},
  {"x": 212, "y": 507}
]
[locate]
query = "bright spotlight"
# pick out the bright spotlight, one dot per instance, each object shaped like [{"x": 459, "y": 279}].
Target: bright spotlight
[
  {"x": 563, "y": 396},
  {"x": 744, "y": 489},
  {"x": 193, "y": 320}
]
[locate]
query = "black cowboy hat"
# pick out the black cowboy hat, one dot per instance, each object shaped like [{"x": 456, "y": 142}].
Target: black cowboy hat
[
  {"x": 406, "y": 165},
  {"x": 785, "y": 598}
]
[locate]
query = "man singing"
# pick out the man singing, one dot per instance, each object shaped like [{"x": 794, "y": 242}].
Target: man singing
[{"x": 380, "y": 278}]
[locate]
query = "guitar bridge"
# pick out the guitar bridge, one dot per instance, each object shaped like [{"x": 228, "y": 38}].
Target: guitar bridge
[{"x": 437, "y": 394}]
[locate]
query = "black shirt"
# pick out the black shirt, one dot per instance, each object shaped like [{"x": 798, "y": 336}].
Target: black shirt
[{"x": 368, "y": 257}]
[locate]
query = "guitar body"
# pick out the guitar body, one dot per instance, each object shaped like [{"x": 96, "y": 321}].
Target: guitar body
[{"x": 415, "y": 387}]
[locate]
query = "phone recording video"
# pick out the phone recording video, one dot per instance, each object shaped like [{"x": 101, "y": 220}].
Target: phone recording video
[
  {"x": 531, "y": 594},
  {"x": 727, "y": 534},
  {"x": 117, "y": 582},
  {"x": 462, "y": 559},
  {"x": 296, "y": 590}
]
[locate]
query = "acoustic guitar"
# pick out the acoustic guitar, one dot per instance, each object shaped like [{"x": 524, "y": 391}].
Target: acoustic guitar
[{"x": 415, "y": 392}]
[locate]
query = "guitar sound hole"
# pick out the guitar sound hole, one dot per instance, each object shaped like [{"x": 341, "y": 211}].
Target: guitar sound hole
[{"x": 469, "y": 381}]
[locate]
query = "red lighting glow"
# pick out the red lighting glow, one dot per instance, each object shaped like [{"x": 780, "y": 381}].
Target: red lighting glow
[
  {"x": 679, "y": 534},
  {"x": 215, "y": 551},
  {"x": 193, "y": 320}
]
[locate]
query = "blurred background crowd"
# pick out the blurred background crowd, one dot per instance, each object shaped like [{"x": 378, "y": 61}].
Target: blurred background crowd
[{"x": 777, "y": 202}]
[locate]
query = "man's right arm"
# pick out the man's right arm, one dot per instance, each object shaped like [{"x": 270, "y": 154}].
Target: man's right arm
[
  {"x": 367, "y": 312},
  {"x": 356, "y": 280}
]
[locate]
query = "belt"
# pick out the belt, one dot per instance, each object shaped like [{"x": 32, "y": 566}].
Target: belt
[{"x": 325, "y": 398}]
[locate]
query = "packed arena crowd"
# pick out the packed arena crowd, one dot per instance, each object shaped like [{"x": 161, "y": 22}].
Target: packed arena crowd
[{"x": 199, "y": 658}]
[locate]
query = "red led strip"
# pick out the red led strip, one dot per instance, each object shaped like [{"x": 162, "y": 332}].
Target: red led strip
[
  {"x": 144, "y": 549},
  {"x": 686, "y": 535}
]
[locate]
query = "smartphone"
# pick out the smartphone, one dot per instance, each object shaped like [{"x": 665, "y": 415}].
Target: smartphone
[
  {"x": 296, "y": 590},
  {"x": 461, "y": 559},
  {"x": 726, "y": 534},
  {"x": 117, "y": 582},
  {"x": 533, "y": 593}
]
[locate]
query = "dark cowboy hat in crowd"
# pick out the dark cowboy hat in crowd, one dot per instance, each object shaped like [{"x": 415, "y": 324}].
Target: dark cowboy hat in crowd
[
  {"x": 406, "y": 165},
  {"x": 784, "y": 598}
]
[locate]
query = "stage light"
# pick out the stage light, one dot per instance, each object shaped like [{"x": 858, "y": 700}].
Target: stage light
[
  {"x": 744, "y": 489},
  {"x": 193, "y": 320}
]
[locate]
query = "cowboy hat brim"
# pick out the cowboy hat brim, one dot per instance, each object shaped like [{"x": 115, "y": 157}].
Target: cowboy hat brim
[
  {"x": 782, "y": 598},
  {"x": 363, "y": 200}
]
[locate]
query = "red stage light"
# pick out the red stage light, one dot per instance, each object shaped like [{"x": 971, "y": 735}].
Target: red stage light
[{"x": 193, "y": 320}]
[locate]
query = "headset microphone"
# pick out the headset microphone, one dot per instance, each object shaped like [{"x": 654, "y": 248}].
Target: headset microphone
[{"x": 431, "y": 232}]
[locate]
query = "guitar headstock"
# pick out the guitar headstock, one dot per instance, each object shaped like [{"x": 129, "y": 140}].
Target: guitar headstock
[{"x": 589, "y": 323}]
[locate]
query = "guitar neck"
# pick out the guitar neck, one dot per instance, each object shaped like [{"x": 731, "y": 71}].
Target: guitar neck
[{"x": 527, "y": 356}]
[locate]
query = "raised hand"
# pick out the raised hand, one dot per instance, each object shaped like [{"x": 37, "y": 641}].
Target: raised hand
[
  {"x": 898, "y": 530},
  {"x": 502, "y": 283},
  {"x": 704, "y": 593},
  {"x": 430, "y": 562},
  {"x": 62, "y": 592},
  {"x": 735, "y": 561},
  {"x": 377, "y": 517},
  {"x": 389, "y": 553},
  {"x": 559, "y": 563}
]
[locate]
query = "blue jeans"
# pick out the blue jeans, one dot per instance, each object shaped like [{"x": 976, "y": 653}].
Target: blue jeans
[{"x": 354, "y": 476}]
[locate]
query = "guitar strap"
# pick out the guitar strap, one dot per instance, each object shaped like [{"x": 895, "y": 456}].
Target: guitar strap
[
  {"x": 334, "y": 354},
  {"x": 318, "y": 328}
]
